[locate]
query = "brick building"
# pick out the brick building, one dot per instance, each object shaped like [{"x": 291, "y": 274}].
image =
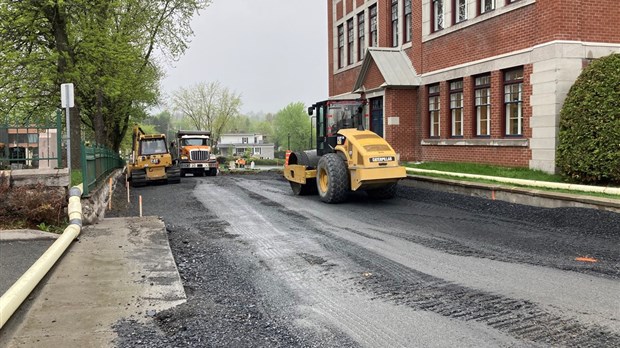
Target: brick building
[{"x": 467, "y": 80}]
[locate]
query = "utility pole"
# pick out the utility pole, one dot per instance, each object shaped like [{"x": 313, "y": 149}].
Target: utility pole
[{"x": 289, "y": 141}]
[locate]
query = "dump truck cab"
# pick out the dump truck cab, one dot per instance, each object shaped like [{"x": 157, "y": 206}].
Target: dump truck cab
[{"x": 195, "y": 153}]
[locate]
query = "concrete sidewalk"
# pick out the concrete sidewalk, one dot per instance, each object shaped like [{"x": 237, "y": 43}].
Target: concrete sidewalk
[{"x": 121, "y": 268}]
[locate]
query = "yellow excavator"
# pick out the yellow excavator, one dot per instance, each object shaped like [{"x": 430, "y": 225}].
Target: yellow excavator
[
  {"x": 151, "y": 160},
  {"x": 347, "y": 157}
]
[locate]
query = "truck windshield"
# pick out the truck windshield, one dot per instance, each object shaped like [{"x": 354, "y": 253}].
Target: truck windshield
[
  {"x": 194, "y": 141},
  {"x": 153, "y": 147},
  {"x": 343, "y": 115}
]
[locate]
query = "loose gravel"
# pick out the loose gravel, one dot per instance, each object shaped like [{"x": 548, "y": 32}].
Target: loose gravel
[
  {"x": 226, "y": 306},
  {"x": 229, "y": 305}
]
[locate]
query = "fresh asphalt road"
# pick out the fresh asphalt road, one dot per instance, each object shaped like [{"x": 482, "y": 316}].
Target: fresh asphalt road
[{"x": 426, "y": 269}]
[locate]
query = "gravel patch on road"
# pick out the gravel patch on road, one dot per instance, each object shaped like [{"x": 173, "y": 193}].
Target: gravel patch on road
[{"x": 223, "y": 279}]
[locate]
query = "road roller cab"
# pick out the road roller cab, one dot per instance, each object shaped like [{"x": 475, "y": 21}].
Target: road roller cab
[{"x": 347, "y": 157}]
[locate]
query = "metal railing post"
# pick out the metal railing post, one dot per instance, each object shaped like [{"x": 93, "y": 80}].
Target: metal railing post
[
  {"x": 58, "y": 138},
  {"x": 84, "y": 166}
]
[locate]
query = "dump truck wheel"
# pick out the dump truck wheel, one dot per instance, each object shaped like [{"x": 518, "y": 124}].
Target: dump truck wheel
[
  {"x": 213, "y": 172},
  {"x": 332, "y": 179},
  {"x": 307, "y": 189},
  {"x": 384, "y": 192}
]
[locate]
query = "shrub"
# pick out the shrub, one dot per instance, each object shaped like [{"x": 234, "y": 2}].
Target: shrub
[
  {"x": 589, "y": 139},
  {"x": 31, "y": 206}
]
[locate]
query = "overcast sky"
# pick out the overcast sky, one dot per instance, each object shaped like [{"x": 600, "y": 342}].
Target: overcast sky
[{"x": 272, "y": 52}]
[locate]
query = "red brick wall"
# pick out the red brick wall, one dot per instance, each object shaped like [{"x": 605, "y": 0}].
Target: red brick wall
[
  {"x": 497, "y": 105},
  {"x": 349, "y": 6},
  {"x": 541, "y": 22},
  {"x": 343, "y": 82},
  {"x": 374, "y": 78},
  {"x": 359, "y": 2},
  {"x": 598, "y": 20},
  {"x": 495, "y": 155},
  {"x": 339, "y": 10},
  {"x": 415, "y": 53},
  {"x": 384, "y": 16},
  {"x": 403, "y": 104}
]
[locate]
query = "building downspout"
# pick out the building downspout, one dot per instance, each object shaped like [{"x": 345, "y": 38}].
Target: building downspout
[{"x": 13, "y": 298}]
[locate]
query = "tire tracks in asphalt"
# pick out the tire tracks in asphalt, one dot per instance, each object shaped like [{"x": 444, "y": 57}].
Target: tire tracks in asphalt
[{"x": 393, "y": 282}]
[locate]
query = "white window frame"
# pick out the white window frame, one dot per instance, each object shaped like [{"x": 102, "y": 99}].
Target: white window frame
[
  {"x": 438, "y": 9},
  {"x": 394, "y": 18},
  {"x": 456, "y": 107},
  {"x": 434, "y": 110},
  {"x": 458, "y": 15},
  {"x": 340, "y": 42},
  {"x": 407, "y": 20},
  {"x": 373, "y": 22},
  {"x": 361, "y": 35},
  {"x": 480, "y": 101},
  {"x": 483, "y": 6},
  {"x": 513, "y": 88}
]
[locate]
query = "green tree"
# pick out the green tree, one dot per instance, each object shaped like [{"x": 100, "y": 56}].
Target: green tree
[
  {"x": 162, "y": 123},
  {"x": 238, "y": 124},
  {"x": 292, "y": 127},
  {"x": 208, "y": 107},
  {"x": 265, "y": 128},
  {"x": 589, "y": 138},
  {"x": 104, "y": 47}
]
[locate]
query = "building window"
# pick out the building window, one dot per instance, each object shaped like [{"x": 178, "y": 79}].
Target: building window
[
  {"x": 486, "y": 6},
  {"x": 437, "y": 15},
  {"x": 394, "y": 23},
  {"x": 340, "y": 46},
  {"x": 433, "y": 110},
  {"x": 482, "y": 87},
  {"x": 408, "y": 23},
  {"x": 373, "y": 26},
  {"x": 350, "y": 41},
  {"x": 456, "y": 107},
  {"x": 460, "y": 12},
  {"x": 244, "y": 140},
  {"x": 361, "y": 36},
  {"x": 257, "y": 150},
  {"x": 513, "y": 88}
]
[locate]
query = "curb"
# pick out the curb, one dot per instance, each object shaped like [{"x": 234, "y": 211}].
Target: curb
[{"x": 512, "y": 194}]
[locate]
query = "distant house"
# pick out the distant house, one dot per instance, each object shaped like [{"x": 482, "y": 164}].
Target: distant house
[{"x": 237, "y": 144}]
